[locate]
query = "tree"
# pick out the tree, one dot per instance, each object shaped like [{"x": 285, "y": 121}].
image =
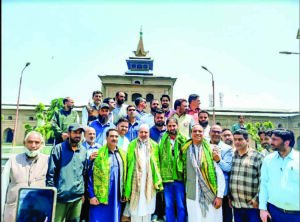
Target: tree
[{"x": 44, "y": 117}]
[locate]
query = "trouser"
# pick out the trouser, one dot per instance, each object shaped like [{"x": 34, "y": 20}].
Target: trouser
[
  {"x": 159, "y": 205},
  {"x": 68, "y": 212},
  {"x": 246, "y": 215},
  {"x": 279, "y": 215},
  {"x": 226, "y": 210},
  {"x": 85, "y": 210},
  {"x": 174, "y": 192}
]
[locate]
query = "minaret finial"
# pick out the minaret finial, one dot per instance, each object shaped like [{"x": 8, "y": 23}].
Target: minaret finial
[{"x": 140, "y": 52}]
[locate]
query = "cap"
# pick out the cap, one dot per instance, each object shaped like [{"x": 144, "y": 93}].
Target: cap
[
  {"x": 75, "y": 126},
  {"x": 104, "y": 105}
]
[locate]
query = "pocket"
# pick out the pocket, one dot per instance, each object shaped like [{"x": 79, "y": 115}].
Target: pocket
[{"x": 9, "y": 212}]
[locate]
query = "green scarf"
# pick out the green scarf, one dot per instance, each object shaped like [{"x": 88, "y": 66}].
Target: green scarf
[
  {"x": 207, "y": 167},
  {"x": 101, "y": 173},
  {"x": 171, "y": 167}
]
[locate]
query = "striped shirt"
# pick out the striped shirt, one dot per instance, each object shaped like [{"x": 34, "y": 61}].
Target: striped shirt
[{"x": 245, "y": 178}]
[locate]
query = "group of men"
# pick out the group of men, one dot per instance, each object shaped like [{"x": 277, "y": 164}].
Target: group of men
[{"x": 168, "y": 164}]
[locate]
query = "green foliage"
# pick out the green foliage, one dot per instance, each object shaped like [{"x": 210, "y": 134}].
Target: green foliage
[
  {"x": 254, "y": 128},
  {"x": 2, "y": 117},
  {"x": 28, "y": 128},
  {"x": 44, "y": 117}
]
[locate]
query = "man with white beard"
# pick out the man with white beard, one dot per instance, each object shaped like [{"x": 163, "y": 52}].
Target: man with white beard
[
  {"x": 25, "y": 169},
  {"x": 143, "y": 176}
]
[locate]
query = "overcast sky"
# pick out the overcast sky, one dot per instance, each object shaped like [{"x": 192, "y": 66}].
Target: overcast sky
[{"x": 69, "y": 43}]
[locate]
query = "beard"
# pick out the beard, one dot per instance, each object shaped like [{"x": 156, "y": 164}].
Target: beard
[
  {"x": 266, "y": 146},
  {"x": 75, "y": 140},
  {"x": 165, "y": 105},
  {"x": 103, "y": 118},
  {"x": 228, "y": 142},
  {"x": 203, "y": 124},
  {"x": 159, "y": 124},
  {"x": 173, "y": 132},
  {"x": 153, "y": 109},
  {"x": 120, "y": 101}
]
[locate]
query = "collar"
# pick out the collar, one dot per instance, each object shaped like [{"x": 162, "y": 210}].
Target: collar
[
  {"x": 155, "y": 128},
  {"x": 70, "y": 147},
  {"x": 140, "y": 111},
  {"x": 95, "y": 106},
  {"x": 64, "y": 112},
  {"x": 115, "y": 151},
  {"x": 32, "y": 159},
  {"x": 197, "y": 109},
  {"x": 245, "y": 154},
  {"x": 105, "y": 124},
  {"x": 292, "y": 155}
]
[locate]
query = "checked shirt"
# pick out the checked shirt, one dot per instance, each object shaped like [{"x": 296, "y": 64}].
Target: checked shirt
[{"x": 245, "y": 178}]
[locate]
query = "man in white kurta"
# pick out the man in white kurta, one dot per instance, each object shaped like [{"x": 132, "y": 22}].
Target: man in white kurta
[
  {"x": 143, "y": 178},
  {"x": 144, "y": 209},
  {"x": 212, "y": 211}
]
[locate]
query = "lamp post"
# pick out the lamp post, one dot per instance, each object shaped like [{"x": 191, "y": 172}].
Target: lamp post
[
  {"x": 289, "y": 53},
  {"x": 18, "y": 101},
  {"x": 213, "y": 88}
]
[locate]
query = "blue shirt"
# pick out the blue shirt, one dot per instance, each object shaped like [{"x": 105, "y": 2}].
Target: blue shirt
[
  {"x": 101, "y": 130},
  {"x": 133, "y": 130},
  {"x": 156, "y": 134},
  {"x": 280, "y": 181},
  {"x": 66, "y": 171},
  {"x": 90, "y": 148},
  {"x": 148, "y": 119}
]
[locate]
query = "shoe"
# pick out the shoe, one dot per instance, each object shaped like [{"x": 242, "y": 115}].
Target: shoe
[{"x": 154, "y": 218}]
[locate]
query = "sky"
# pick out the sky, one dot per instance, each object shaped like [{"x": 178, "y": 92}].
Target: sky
[{"x": 70, "y": 43}]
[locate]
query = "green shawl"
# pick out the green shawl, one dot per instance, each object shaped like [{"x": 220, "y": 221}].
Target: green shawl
[
  {"x": 131, "y": 161},
  {"x": 101, "y": 174},
  {"x": 171, "y": 167},
  {"x": 207, "y": 167}
]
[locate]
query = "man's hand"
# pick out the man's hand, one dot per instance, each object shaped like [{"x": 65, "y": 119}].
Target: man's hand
[
  {"x": 216, "y": 154},
  {"x": 229, "y": 203},
  {"x": 253, "y": 203},
  {"x": 264, "y": 215},
  {"x": 217, "y": 202},
  {"x": 94, "y": 201},
  {"x": 124, "y": 199},
  {"x": 64, "y": 136},
  {"x": 83, "y": 199},
  {"x": 93, "y": 155}
]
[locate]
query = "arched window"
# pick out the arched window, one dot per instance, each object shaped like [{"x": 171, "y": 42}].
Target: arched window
[
  {"x": 149, "y": 97},
  {"x": 9, "y": 117},
  {"x": 134, "y": 96},
  {"x": 137, "y": 82},
  {"x": 8, "y": 135},
  {"x": 126, "y": 96},
  {"x": 30, "y": 118}
]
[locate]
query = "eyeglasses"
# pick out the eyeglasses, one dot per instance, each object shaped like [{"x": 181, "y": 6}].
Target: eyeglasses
[
  {"x": 216, "y": 132},
  {"x": 131, "y": 110}
]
